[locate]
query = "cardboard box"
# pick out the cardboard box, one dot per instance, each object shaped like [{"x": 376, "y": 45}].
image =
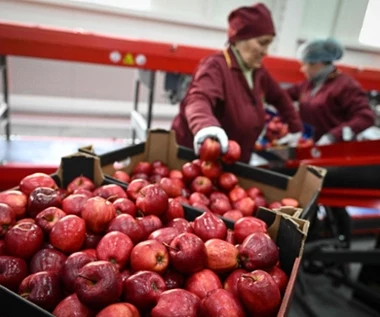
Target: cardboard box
[{"x": 304, "y": 186}]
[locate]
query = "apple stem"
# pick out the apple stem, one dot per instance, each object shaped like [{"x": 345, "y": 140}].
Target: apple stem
[
  {"x": 170, "y": 247},
  {"x": 86, "y": 278},
  {"x": 140, "y": 213}
]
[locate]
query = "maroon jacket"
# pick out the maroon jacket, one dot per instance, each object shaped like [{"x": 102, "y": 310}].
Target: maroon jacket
[
  {"x": 219, "y": 95},
  {"x": 339, "y": 102}
]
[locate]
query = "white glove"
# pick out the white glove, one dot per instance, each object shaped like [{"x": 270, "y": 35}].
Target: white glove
[
  {"x": 290, "y": 139},
  {"x": 325, "y": 139},
  {"x": 211, "y": 132}
]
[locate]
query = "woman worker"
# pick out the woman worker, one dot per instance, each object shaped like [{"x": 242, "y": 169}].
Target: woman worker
[
  {"x": 225, "y": 99},
  {"x": 329, "y": 100}
]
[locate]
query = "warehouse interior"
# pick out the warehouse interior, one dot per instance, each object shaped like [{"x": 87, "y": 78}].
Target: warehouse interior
[{"x": 58, "y": 105}]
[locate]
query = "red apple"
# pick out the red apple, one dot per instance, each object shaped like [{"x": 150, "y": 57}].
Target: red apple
[
  {"x": 155, "y": 179},
  {"x": 128, "y": 225},
  {"x": 91, "y": 240},
  {"x": 141, "y": 176},
  {"x": 98, "y": 284},
  {"x": 173, "y": 279},
  {"x": 258, "y": 251},
  {"x": 254, "y": 191},
  {"x": 152, "y": 200},
  {"x": 209, "y": 150},
  {"x": 211, "y": 169},
  {"x": 72, "y": 307},
  {"x": 26, "y": 220},
  {"x": 190, "y": 171},
  {"x": 119, "y": 310},
  {"x": 164, "y": 235},
  {"x": 32, "y": 181},
  {"x": 72, "y": 266},
  {"x": 143, "y": 289},
  {"x": 83, "y": 191},
  {"x": 209, "y": 226},
  {"x": 2, "y": 247},
  {"x": 231, "y": 282},
  {"x": 157, "y": 163},
  {"x": 176, "y": 302},
  {"x": 175, "y": 174},
  {"x": 15, "y": 199},
  {"x": 237, "y": 193},
  {"x": 47, "y": 260},
  {"x": 149, "y": 255},
  {"x": 290, "y": 202},
  {"x": 260, "y": 201},
  {"x": 259, "y": 293},
  {"x": 23, "y": 240},
  {"x": 12, "y": 271},
  {"x": 73, "y": 204},
  {"x": 162, "y": 171},
  {"x": 98, "y": 213},
  {"x": 68, "y": 234},
  {"x": 181, "y": 224},
  {"x": 221, "y": 303},
  {"x": 247, "y": 225},
  {"x": 48, "y": 218},
  {"x": 197, "y": 162},
  {"x": 202, "y": 184},
  {"x": 170, "y": 188},
  {"x": 202, "y": 282},
  {"x": 178, "y": 183},
  {"x": 125, "y": 206},
  {"x": 188, "y": 253},
  {"x": 280, "y": 278},
  {"x": 275, "y": 205},
  {"x": 231, "y": 237},
  {"x": 220, "y": 206},
  {"x": 233, "y": 215},
  {"x": 121, "y": 176},
  {"x": 227, "y": 181},
  {"x": 142, "y": 167},
  {"x": 42, "y": 289},
  {"x": 201, "y": 207},
  {"x": 222, "y": 256},
  {"x": 80, "y": 182},
  {"x": 115, "y": 247},
  {"x": 7, "y": 219},
  {"x": 42, "y": 198},
  {"x": 198, "y": 197},
  {"x": 233, "y": 152},
  {"x": 175, "y": 210},
  {"x": 110, "y": 192},
  {"x": 149, "y": 224},
  {"x": 218, "y": 196},
  {"x": 245, "y": 205}
]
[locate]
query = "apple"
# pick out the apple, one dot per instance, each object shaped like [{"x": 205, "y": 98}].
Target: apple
[
  {"x": 12, "y": 271},
  {"x": 98, "y": 284},
  {"x": 143, "y": 289},
  {"x": 115, "y": 247},
  {"x": 227, "y": 181},
  {"x": 198, "y": 197},
  {"x": 47, "y": 260},
  {"x": 222, "y": 256},
  {"x": 141, "y": 176},
  {"x": 209, "y": 150},
  {"x": 125, "y": 206},
  {"x": 246, "y": 205},
  {"x": 142, "y": 167},
  {"x": 178, "y": 182},
  {"x": 233, "y": 215},
  {"x": 175, "y": 303},
  {"x": 247, "y": 225},
  {"x": 173, "y": 279},
  {"x": 91, "y": 240},
  {"x": 42, "y": 289},
  {"x": 190, "y": 171},
  {"x": 209, "y": 226},
  {"x": 202, "y": 282},
  {"x": 149, "y": 255},
  {"x": 237, "y": 193},
  {"x": 83, "y": 191},
  {"x": 253, "y": 192},
  {"x": 72, "y": 307},
  {"x": 275, "y": 205},
  {"x": 80, "y": 182},
  {"x": 181, "y": 224},
  {"x": 280, "y": 278},
  {"x": 119, "y": 310},
  {"x": 220, "y": 206},
  {"x": 121, "y": 176},
  {"x": 259, "y": 293},
  {"x": 42, "y": 198},
  {"x": 233, "y": 152},
  {"x": 290, "y": 202},
  {"x": 73, "y": 204},
  {"x": 26, "y": 220},
  {"x": 201, "y": 207},
  {"x": 72, "y": 266},
  {"x": 91, "y": 252},
  {"x": 202, "y": 184},
  {"x": 197, "y": 162},
  {"x": 221, "y": 303},
  {"x": 149, "y": 224},
  {"x": 110, "y": 192},
  {"x": 216, "y": 195},
  {"x": 175, "y": 210},
  {"x": 211, "y": 169},
  {"x": 175, "y": 174},
  {"x": 162, "y": 171},
  {"x": 260, "y": 201},
  {"x": 231, "y": 282},
  {"x": 155, "y": 179},
  {"x": 164, "y": 235},
  {"x": 15, "y": 199},
  {"x": 258, "y": 251},
  {"x": 98, "y": 213},
  {"x": 170, "y": 188},
  {"x": 32, "y": 181},
  {"x": 2, "y": 247},
  {"x": 68, "y": 234},
  {"x": 48, "y": 218},
  {"x": 152, "y": 200},
  {"x": 188, "y": 253},
  {"x": 128, "y": 225},
  {"x": 23, "y": 240},
  {"x": 231, "y": 237},
  {"x": 7, "y": 219}
]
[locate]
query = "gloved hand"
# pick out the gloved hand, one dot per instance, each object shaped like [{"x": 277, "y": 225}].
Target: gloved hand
[
  {"x": 211, "y": 132},
  {"x": 325, "y": 139},
  {"x": 291, "y": 139}
]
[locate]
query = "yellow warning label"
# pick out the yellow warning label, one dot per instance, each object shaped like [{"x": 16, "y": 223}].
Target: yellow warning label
[{"x": 128, "y": 59}]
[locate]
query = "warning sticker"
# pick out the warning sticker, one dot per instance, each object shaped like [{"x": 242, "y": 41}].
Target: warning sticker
[{"x": 128, "y": 59}]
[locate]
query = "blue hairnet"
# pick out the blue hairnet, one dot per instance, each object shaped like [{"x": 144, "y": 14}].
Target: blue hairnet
[{"x": 321, "y": 51}]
